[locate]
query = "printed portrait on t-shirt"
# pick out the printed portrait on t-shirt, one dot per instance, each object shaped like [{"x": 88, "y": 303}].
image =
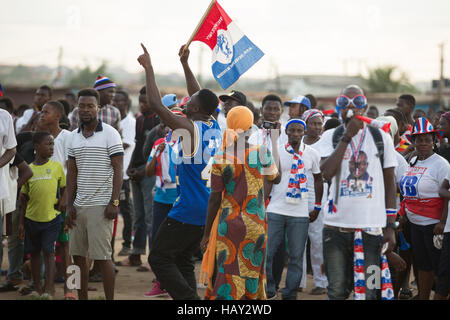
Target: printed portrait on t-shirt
[{"x": 359, "y": 182}]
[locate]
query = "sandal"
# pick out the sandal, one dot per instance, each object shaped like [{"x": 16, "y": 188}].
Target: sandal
[
  {"x": 70, "y": 296},
  {"x": 405, "y": 294},
  {"x": 143, "y": 268},
  {"x": 8, "y": 286},
  {"x": 26, "y": 290},
  {"x": 96, "y": 278},
  {"x": 124, "y": 263},
  {"x": 128, "y": 263}
]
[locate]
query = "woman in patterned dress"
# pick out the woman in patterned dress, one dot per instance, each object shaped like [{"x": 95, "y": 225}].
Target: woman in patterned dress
[{"x": 236, "y": 226}]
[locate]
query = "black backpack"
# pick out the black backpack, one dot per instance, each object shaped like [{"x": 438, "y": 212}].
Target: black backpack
[{"x": 376, "y": 134}]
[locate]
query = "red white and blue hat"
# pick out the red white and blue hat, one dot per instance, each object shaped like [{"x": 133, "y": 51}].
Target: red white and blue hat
[
  {"x": 422, "y": 126},
  {"x": 103, "y": 82}
]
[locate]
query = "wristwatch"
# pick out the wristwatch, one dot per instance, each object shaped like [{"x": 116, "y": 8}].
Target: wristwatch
[
  {"x": 392, "y": 225},
  {"x": 115, "y": 203}
]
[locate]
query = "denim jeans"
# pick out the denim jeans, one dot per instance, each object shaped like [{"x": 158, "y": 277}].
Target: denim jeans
[
  {"x": 126, "y": 210},
  {"x": 16, "y": 249},
  {"x": 296, "y": 230},
  {"x": 143, "y": 208},
  {"x": 171, "y": 258},
  {"x": 338, "y": 261}
]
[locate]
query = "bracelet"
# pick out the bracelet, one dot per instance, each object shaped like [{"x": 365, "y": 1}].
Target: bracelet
[
  {"x": 391, "y": 212},
  {"x": 317, "y": 206}
]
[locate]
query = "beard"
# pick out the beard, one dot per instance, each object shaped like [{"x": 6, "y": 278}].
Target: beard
[{"x": 87, "y": 121}]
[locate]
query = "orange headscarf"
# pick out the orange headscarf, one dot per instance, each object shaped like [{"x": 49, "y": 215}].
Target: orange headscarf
[{"x": 239, "y": 120}]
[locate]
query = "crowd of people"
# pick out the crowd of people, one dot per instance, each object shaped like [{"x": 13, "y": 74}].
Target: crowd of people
[{"x": 219, "y": 180}]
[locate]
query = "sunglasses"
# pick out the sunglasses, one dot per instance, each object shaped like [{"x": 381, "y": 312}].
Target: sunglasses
[{"x": 359, "y": 101}]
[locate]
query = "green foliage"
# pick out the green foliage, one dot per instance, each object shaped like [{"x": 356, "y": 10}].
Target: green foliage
[
  {"x": 86, "y": 77},
  {"x": 381, "y": 79}
]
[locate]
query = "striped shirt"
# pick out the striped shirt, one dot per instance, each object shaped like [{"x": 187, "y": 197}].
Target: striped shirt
[
  {"x": 107, "y": 114},
  {"x": 93, "y": 159}
]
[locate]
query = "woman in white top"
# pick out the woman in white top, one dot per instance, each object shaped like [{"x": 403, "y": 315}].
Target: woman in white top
[{"x": 422, "y": 204}]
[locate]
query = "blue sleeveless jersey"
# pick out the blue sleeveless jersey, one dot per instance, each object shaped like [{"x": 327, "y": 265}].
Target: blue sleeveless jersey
[{"x": 194, "y": 173}]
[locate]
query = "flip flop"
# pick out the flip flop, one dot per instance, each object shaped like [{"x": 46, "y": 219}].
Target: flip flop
[
  {"x": 8, "y": 286},
  {"x": 96, "y": 278},
  {"x": 143, "y": 268},
  {"x": 127, "y": 263},
  {"x": 124, "y": 263},
  {"x": 26, "y": 290},
  {"x": 70, "y": 296}
]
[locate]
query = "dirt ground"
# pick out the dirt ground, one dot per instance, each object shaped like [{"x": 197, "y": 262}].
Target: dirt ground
[{"x": 131, "y": 284}]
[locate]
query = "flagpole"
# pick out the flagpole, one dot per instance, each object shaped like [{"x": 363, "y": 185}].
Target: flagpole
[{"x": 213, "y": 2}]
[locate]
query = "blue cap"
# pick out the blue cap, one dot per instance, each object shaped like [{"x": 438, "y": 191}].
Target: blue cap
[
  {"x": 169, "y": 100},
  {"x": 299, "y": 99}
]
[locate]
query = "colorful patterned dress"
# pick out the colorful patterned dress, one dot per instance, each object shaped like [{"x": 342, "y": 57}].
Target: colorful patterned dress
[{"x": 242, "y": 226}]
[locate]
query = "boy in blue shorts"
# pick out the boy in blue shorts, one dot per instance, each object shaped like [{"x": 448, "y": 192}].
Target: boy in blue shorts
[{"x": 40, "y": 219}]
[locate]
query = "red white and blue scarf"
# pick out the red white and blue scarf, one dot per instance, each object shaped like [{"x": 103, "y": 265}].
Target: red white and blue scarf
[
  {"x": 297, "y": 178},
  {"x": 387, "y": 291}
]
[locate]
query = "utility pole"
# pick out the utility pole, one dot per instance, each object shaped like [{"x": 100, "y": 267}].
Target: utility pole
[
  {"x": 58, "y": 76},
  {"x": 441, "y": 77},
  {"x": 200, "y": 65}
]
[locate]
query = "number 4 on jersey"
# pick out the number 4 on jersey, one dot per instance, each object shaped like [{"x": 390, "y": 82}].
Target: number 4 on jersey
[{"x": 206, "y": 172}]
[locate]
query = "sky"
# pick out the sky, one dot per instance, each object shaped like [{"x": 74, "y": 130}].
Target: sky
[{"x": 297, "y": 36}]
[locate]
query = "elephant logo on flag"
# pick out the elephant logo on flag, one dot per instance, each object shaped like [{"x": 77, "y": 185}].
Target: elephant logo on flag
[{"x": 224, "y": 47}]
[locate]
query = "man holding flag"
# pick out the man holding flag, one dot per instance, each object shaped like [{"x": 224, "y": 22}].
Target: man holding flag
[
  {"x": 179, "y": 235},
  {"x": 233, "y": 53}
]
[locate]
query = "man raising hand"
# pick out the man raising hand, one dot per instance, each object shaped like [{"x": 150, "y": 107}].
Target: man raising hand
[{"x": 179, "y": 236}]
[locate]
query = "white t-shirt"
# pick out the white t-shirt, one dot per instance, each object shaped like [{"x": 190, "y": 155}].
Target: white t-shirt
[
  {"x": 60, "y": 148},
  {"x": 92, "y": 156},
  {"x": 222, "y": 121},
  {"x": 399, "y": 172},
  {"x": 310, "y": 182},
  {"x": 278, "y": 202},
  {"x": 23, "y": 120},
  {"x": 128, "y": 125},
  {"x": 360, "y": 205},
  {"x": 401, "y": 168},
  {"x": 447, "y": 224},
  {"x": 7, "y": 141},
  {"x": 262, "y": 137},
  {"x": 423, "y": 181}
]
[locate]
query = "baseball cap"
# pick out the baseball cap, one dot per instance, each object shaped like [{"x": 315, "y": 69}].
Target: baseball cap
[
  {"x": 235, "y": 95},
  {"x": 169, "y": 100},
  {"x": 299, "y": 99}
]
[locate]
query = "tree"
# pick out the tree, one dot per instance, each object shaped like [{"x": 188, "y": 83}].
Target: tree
[
  {"x": 381, "y": 79},
  {"x": 86, "y": 77}
]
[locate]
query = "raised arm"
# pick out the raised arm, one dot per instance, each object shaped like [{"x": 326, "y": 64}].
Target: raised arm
[
  {"x": 154, "y": 98},
  {"x": 191, "y": 82}
]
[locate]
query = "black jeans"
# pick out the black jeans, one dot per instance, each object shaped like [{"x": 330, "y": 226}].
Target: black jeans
[
  {"x": 126, "y": 210},
  {"x": 338, "y": 260},
  {"x": 171, "y": 258}
]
